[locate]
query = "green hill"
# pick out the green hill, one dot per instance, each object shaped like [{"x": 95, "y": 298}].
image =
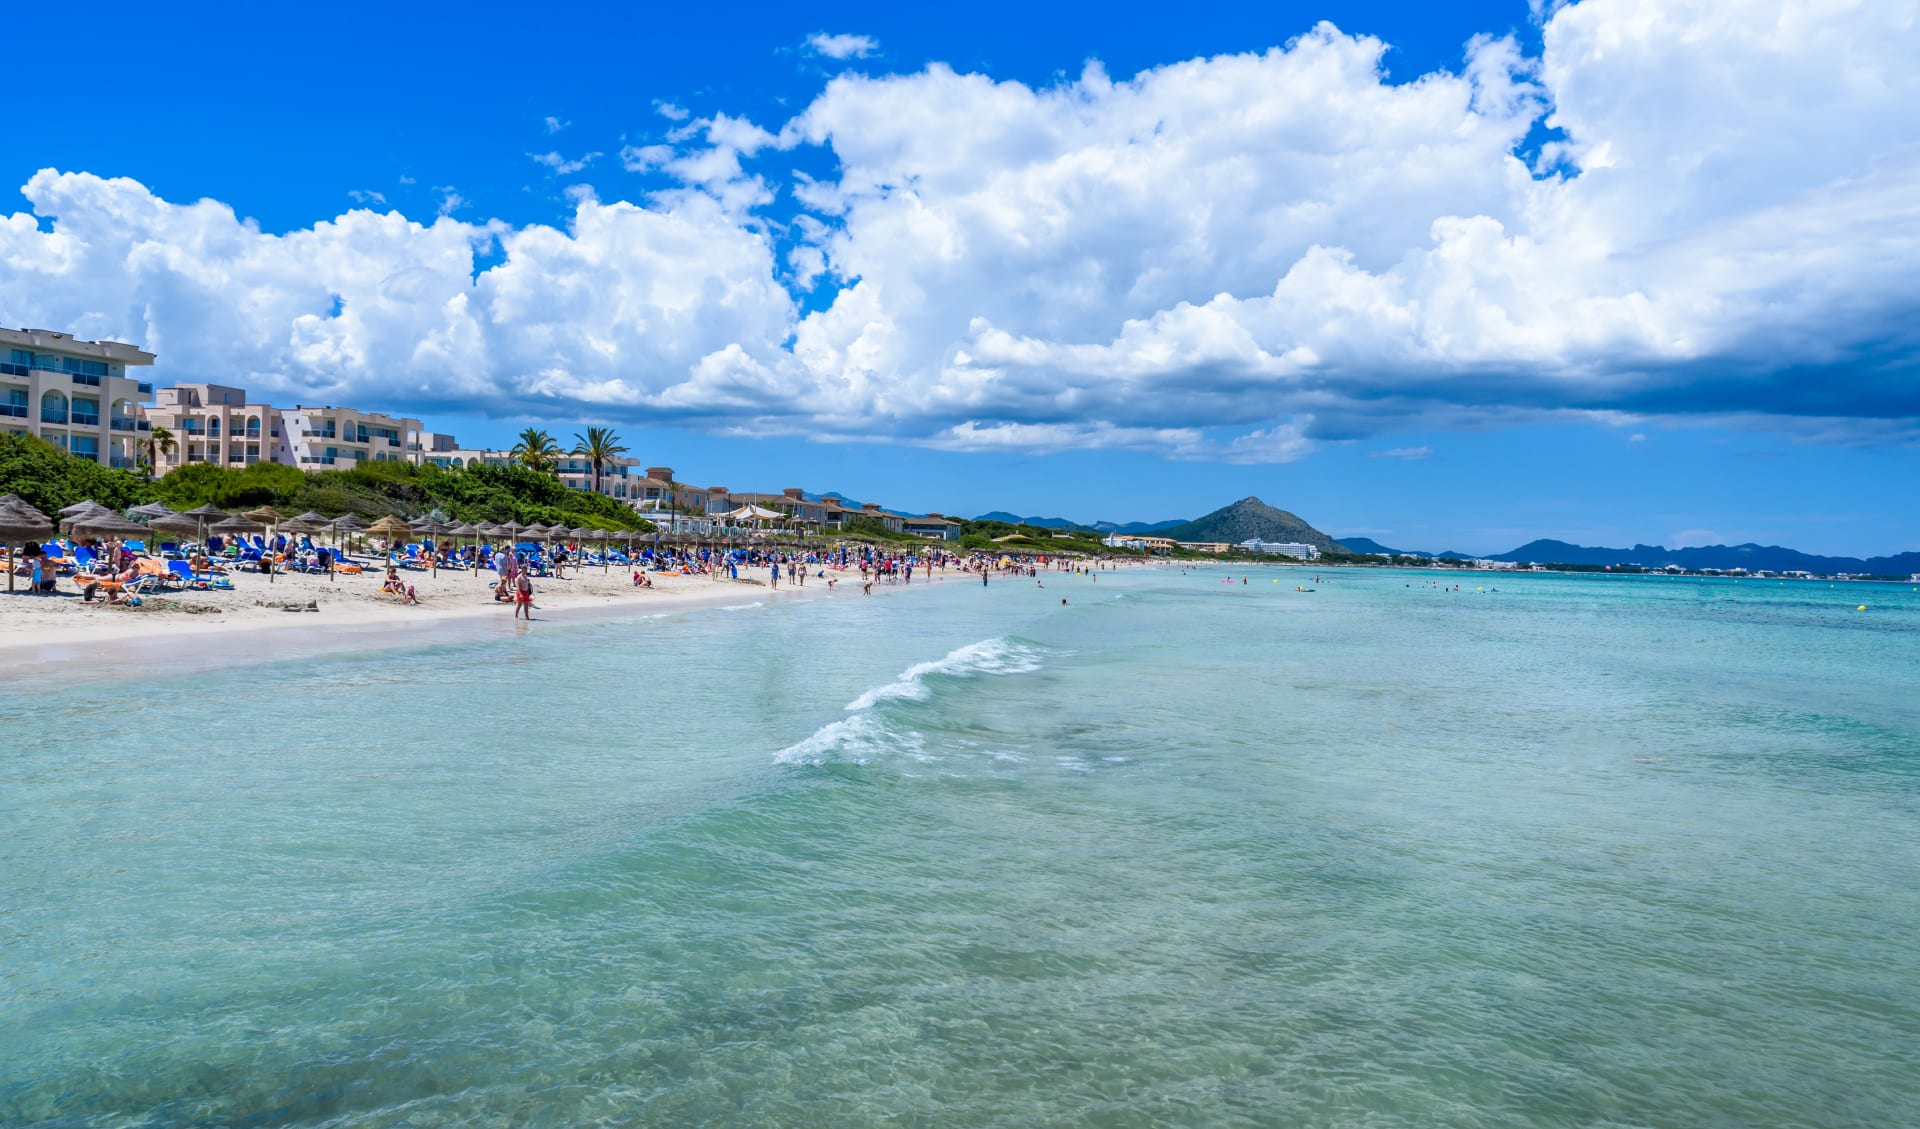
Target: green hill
[{"x": 1249, "y": 518}]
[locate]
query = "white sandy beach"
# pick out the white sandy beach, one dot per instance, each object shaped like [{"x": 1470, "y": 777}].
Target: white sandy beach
[{"x": 349, "y": 611}]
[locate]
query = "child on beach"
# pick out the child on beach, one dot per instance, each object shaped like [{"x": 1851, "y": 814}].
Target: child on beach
[{"x": 523, "y": 596}]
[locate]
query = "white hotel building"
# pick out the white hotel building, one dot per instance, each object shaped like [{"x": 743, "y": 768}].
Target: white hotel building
[
  {"x": 74, "y": 394},
  {"x": 215, "y": 423}
]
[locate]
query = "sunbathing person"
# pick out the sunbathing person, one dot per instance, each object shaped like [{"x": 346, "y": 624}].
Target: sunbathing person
[{"x": 393, "y": 583}]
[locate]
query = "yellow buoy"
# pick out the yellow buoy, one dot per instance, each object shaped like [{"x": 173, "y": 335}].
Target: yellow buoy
[{"x": 1861, "y": 608}]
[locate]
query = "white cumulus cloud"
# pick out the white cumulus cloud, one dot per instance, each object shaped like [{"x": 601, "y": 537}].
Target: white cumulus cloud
[
  {"x": 563, "y": 166},
  {"x": 1237, "y": 258},
  {"x": 841, "y": 46}
]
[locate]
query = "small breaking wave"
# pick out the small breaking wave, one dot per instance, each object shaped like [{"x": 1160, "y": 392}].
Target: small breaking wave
[
  {"x": 863, "y": 734},
  {"x": 989, "y": 656}
]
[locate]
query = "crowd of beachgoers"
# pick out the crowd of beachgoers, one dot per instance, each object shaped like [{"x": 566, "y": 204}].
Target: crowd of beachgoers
[{"x": 95, "y": 566}]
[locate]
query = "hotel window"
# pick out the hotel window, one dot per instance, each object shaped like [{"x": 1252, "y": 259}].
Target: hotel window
[
  {"x": 86, "y": 413},
  {"x": 16, "y": 405},
  {"x": 53, "y": 408}
]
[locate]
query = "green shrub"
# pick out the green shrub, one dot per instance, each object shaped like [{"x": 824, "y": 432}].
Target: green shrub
[{"x": 51, "y": 479}]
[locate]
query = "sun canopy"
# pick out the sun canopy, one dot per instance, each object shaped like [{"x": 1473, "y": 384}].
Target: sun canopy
[{"x": 752, "y": 512}]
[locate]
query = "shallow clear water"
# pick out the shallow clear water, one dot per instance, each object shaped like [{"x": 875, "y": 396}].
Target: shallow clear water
[{"x": 1580, "y": 852}]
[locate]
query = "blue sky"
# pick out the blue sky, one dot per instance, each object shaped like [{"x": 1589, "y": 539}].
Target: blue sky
[{"x": 1450, "y": 276}]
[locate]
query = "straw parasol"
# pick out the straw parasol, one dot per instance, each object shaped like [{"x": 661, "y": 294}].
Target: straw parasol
[
  {"x": 150, "y": 510},
  {"x": 267, "y": 516},
  {"x": 459, "y": 531},
  {"x": 603, "y": 536},
  {"x": 108, "y": 524},
  {"x": 73, "y": 515},
  {"x": 388, "y": 528},
  {"x": 236, "y": 524},
  {"x": 429, "y": 526},
  {"x": 21, "y": 504},
  {"x": 204, "y": 516},
  {"x": 175, "y": 523},
  {"x": 208, "y": 513},
  {"x": 19, "y": 523},
  {"x": 485, "y": 531},
  {"x": 348, "y": 522}
]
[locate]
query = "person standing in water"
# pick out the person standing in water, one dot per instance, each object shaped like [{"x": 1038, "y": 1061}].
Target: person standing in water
[{"x": 523, "y": 596}]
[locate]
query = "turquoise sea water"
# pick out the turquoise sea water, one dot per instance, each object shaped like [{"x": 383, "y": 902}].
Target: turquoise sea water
[{"x": 1580, "y": 852}]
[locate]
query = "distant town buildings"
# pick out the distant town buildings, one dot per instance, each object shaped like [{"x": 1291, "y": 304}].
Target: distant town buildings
[{"x": 75, "y": 394}]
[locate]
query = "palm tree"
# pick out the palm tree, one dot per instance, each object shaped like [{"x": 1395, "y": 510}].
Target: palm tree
[
  {"x": 599, "y": 446},
  {"x": 159, "y": 442},
  {"x": 536, "y": 449}
]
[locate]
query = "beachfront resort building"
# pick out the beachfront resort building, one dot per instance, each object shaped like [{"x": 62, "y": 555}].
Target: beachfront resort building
[
  {"x": 215, "y": 423},
  {"x": 74, "y": 394},
  {"x": 1295, "y": 549},
  {"x": 1148, "y": 544},
  {"x": 938, "y": 526}
]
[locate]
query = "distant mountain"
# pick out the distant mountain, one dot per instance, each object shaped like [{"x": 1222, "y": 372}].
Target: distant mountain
[
  {"x": 1751, "y": 557},
  {"x": 1249, "y": 518},
  {"x": 1042, "y": 522},
  {"x": 1369, "y": 545}
]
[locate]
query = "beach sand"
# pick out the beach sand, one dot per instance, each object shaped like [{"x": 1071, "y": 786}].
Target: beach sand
[{"x": 351, "y": 613}]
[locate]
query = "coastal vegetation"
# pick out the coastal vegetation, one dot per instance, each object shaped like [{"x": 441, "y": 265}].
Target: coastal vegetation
[
  {"x": 51, "y": 479},
  {"x": 989, "y": 535}
]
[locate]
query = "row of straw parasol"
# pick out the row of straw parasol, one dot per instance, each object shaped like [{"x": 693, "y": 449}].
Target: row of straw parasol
[{"x": 21, "y": 522}]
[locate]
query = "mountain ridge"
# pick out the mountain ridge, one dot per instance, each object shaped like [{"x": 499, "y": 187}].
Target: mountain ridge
[
  {"x": 1750, "y": 556},
  {"x": 1249, "y": 518}
]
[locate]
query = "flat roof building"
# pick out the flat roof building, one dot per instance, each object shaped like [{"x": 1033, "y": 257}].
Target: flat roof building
[
  {"x": 216, "y": 423},
  {"x": 75, "y": 394}
]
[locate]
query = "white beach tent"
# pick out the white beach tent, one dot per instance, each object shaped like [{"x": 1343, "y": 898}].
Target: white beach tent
[{"x": 752, "y": 512}]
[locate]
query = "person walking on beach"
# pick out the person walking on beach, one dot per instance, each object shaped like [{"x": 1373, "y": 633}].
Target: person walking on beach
[{"x": 523, "y": 596}]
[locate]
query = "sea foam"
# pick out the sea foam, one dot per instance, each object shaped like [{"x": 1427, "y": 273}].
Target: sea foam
[{"x": 862, "y": 734}]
